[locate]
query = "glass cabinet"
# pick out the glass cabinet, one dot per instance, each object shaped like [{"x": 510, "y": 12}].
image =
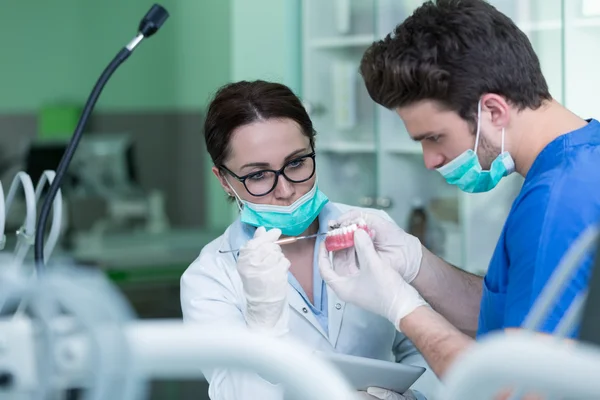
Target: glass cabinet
[{"x": 365, "y": 156}]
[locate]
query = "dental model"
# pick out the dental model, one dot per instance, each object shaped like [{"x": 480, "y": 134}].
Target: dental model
[{"x": 342, "y": 237}]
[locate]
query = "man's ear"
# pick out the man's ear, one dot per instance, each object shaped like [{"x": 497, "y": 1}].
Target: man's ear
[{"x": 498, "y": 108}]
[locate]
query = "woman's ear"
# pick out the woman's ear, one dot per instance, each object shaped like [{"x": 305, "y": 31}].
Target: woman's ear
[{"x": 217, "y": 172}]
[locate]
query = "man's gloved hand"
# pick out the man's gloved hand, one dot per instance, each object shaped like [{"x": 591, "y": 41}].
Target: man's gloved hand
[
  {"x": 373, "y": 285},
  {"x": 375, "y": 393},
  {"x": 402, "y": 251},
  {"x": 264, "y": 272}
]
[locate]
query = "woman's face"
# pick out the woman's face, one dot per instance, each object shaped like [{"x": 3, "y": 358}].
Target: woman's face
[{"x": 262, "y": 145}]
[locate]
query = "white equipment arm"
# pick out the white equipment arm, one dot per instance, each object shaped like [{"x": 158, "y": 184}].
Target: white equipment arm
[
  {"x": 57, "y": 212},
  {"x": 532, "y": 364},
  {"x": 95, "y": 347},
  {"x": 172, "y": 350},
  {"x": 26, "y": 233}
]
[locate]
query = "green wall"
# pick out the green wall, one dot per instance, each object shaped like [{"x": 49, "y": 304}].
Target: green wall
[
  {"x": 266, "y": 41},
  {"x": 265, "y": 45},
  {"x": 55, "y": 51}
]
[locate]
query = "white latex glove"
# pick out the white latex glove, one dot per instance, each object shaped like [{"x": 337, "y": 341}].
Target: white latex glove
[
  {"x": 374, "y": 393},
  {"x": 373, "y": 284},
  {"x": 402, "y": 251},
  {"x": 264, "y": 272}
]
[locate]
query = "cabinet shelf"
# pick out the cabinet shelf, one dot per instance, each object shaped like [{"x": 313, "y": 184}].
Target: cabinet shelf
[
  {"x": 346, "y": 147},
  {"x": 343, "y": 41}
]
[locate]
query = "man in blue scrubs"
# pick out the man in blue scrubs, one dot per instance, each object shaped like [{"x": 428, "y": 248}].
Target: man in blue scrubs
[{"x": 468, "y": 86}]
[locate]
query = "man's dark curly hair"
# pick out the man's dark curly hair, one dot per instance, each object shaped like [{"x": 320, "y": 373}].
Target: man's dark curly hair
[{"x": 454, "y": 51}]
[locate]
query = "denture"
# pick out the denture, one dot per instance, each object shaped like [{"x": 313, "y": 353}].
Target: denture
[{"x": 341, "y": 237}]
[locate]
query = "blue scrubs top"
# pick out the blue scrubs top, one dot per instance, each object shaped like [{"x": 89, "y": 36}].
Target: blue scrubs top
[{"x": 559, "y": 199}]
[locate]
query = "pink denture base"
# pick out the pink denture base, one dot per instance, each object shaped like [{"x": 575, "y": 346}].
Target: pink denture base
[{"x": 344, "y": 240}]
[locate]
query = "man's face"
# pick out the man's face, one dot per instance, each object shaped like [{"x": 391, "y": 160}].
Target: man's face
[{"x": 444, "y": 135}]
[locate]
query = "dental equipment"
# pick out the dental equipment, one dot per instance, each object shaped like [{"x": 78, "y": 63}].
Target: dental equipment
[
  {"x": 589, "y": 331},
  {"x": 542, "y": 307},
  {"x": 283, "y": 241},
  {"x": 57, "y": 212},
  {"x": 99, "y": 348},
  {"x": 149, "y": 25},
  {"x": 526, "y": 364},
  {"x": 26, "y": 232},
  {"x": 2, "y": 218},
  {"x": 563, "y": 273},
  {"x": 542, "y": 367},
  {"x": 55, "y": 228},
  {"x": 572, "y": 316}
]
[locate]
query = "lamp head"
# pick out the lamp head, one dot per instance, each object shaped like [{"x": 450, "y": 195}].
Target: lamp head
[{"x": 153, "y": 20}]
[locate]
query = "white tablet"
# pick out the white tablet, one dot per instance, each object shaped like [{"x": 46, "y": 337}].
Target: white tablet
[{"x": 363, "y": 372}]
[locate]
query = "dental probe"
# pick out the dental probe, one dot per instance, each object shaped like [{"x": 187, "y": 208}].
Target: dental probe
[{"x": 288, "y": 240}]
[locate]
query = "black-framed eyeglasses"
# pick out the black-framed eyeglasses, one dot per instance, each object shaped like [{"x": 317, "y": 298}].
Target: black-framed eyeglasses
[{"x": 261, "y": 183}]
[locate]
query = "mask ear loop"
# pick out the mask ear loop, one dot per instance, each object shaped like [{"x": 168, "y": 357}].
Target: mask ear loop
[
  {"x": 238, "y": 201},
  {"x": 502, "y": 148},
  {"x": 478, "y": 125}
]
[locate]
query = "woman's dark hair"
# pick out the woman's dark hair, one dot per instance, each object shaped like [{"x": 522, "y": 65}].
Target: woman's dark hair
[
  {"x": 452, "y": 52},
  {"x": 241, "y": 103}
]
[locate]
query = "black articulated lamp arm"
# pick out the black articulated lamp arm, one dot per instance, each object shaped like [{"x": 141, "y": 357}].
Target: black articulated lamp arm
[{"x": 151, "y": 22}]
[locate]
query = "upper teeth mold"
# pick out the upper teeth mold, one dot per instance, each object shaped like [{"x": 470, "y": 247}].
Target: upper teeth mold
[{"x": 351, "y": 226}]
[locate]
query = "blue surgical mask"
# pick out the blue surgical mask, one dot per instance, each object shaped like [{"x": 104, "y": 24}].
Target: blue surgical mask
[
  {"x": 292, "y": 220},
  {"x": 465, "y": 170}
]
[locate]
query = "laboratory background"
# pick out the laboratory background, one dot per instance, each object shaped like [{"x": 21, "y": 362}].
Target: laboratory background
[{"x": 140, "y": 200}]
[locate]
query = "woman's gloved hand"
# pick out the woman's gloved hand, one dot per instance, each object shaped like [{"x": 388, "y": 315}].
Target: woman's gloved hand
[
  {"x": 375, "y": 393},
  {"x": 264, "y": 272},
  {"x": 402, "y": 251},
  {"x": 374, "y": 285}
]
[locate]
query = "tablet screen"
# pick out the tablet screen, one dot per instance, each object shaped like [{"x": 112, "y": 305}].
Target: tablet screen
[{"x": 363, "y": 372}]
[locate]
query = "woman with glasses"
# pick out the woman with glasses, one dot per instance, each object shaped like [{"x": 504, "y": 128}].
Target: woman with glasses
[{"x": 262, "y": 143}]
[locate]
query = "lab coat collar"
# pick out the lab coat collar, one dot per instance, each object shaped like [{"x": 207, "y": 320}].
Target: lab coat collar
[
  {"x": 335, "y": 308},
  {"x": 240, "y": 233}
]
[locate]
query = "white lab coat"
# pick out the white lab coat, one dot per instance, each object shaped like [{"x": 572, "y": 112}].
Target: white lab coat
[{"x": 212, "y": 293}]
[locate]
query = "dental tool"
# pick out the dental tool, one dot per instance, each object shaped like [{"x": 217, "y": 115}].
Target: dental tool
[{"x": 288, "y": 240}]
